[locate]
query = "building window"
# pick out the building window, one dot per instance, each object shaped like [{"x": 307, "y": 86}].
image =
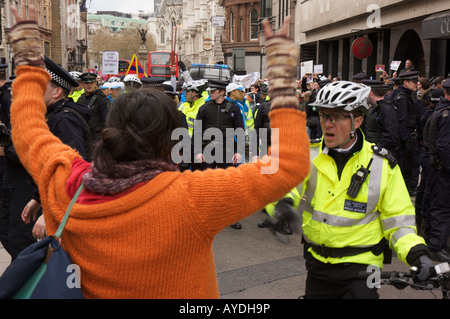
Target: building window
[
  {"x": 266, "y": 8},
  {"x": 241, "y": 26},
  {"x": 253, "y": 25},
  {"x": 283, "y": 9},
  {"x": 231, "y": 27},
  {"x": 163, "y": 36}
]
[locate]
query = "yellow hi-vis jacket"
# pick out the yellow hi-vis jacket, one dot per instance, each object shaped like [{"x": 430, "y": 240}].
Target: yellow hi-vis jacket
[
  {"x": 191, "y": 110},
  {"x": 382, "y": 209}
]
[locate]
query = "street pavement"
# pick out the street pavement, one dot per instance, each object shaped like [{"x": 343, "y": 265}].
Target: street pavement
[{"x": 252, "y": 264}]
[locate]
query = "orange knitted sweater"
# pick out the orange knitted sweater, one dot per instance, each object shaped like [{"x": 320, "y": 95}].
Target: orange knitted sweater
[{"x": 154, "y": 242}]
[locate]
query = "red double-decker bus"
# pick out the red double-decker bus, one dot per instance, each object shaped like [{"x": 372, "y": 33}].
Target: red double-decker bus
[{"x": 159, "y": 64}]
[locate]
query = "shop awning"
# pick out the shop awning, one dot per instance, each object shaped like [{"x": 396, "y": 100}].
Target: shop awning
[{"x": 436, "y": 26}]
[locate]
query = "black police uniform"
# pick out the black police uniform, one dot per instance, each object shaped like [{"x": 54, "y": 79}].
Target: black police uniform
[
  {"x": 19, "y": 188},
  {"x": 410, "y": 111},
  {"x": 99, "y": 105},
  {"x": 439, "y": 180},
  {"x": 70, "y": 122},
  {"x": 381, "y": 122},
  {"x": 262, "y": 121},
  {"x": 221, "y": 116}
]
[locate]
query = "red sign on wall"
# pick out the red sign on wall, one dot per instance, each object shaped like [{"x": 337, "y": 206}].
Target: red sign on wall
[{"x": 362, "y": 48}]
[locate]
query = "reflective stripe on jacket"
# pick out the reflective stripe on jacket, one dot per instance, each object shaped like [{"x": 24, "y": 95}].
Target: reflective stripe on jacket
[{"x": 382, "y": 208}]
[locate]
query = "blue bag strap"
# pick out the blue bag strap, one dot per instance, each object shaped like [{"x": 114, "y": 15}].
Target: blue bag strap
[{"x": 27, "y": 289}]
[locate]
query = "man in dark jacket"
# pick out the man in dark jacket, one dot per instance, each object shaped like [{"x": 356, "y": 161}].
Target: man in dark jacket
[
  {"x": 437, "y": 138},
  {"x": 97, "y": 102},
  {"x": 219, "y": 114},
  {"x": 381, "y": 125},
  {"x": 69, "y": 122},
  {"x": 410, "y": 111}
]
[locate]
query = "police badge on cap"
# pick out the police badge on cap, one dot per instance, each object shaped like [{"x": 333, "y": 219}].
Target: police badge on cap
[{"x": 59, "y": 75}]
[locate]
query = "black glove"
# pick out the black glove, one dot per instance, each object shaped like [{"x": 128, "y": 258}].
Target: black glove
[
  {"x": 284, "y": 213},
  {"x": 426, "y": 268},
  {"x": 182, "y": 66},
  {"x": 418, "y": 257}
]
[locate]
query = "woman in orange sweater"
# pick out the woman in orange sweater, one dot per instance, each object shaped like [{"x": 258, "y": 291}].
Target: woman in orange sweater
[{"x": 141, "y": 228}]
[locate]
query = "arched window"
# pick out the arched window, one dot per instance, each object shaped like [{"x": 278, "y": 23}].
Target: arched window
[{"x": 254, "y": 25}]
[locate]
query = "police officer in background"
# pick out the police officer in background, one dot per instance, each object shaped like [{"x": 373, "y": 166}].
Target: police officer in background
[
  {"x": 437, "y": 138},
  {"x": 355, "y": 200},
  {"x": 97, "y": 102},
  {"x": 194, "y": 100},
  {"x": 220, "y": 114},
  {"x": 381, "y": 125},
  {"x": 410, "y": 111}
]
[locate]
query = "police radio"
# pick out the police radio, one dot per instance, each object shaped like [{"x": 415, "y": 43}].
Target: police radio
[{"x": 358, "y": 179}]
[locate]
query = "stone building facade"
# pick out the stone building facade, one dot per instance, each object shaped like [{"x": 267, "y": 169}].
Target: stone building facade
[
  {"x": 198, "y": 35},
  {"x": 62, "y": 26}
]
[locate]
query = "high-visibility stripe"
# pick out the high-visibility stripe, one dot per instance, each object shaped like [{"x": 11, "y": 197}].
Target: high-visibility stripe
[
  {"x": 401, "y": 232},
  {"x": 374, "y": 183},
  {"x": 339, "y": 221},
  {"x": 399, "y": 221}
]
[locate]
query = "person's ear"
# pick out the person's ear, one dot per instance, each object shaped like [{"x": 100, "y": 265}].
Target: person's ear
[{"x": 358, "y": 121}]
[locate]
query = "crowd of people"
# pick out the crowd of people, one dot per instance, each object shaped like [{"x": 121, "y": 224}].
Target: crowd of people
[{"x": 351, "y": 154}]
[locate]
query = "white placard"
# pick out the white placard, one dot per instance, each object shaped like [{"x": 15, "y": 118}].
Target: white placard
[
  {"x": 318, "y": 69},
  {"x": 395, "y": 65},
  {"x": 247, "y": 80},
  {"x": 110, "y": 62},
  {"x": 306, "y": 67}
]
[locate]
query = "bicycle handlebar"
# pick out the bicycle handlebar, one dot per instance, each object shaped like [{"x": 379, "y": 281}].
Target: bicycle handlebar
[{"x": 403, "y": 279}]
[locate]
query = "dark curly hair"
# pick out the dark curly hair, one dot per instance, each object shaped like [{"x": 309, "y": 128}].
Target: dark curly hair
[{"x": 139, "y": 127}]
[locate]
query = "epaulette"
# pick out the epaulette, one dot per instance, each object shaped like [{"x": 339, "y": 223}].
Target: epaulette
[{"x": 386, "y": 154}]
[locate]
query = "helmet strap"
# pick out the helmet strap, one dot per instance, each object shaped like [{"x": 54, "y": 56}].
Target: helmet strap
[{"x": 352, "y": 132}]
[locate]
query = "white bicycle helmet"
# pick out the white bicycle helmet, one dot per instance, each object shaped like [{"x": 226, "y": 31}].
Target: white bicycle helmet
[
  {"x": 76, "y": 75},
  {"x": 114, "y": 79},
  {"x": 195, "y": 85},
  {"x": 132, "y": 79},
  {"x": 348, "y": 96}
]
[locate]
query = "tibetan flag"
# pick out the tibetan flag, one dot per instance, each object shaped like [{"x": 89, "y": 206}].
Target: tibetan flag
[{"x": 136, "y": 68}]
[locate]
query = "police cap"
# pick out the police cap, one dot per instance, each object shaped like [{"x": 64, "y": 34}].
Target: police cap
[
  {"x": 153, "y": 82},
  {"x": 168, "y": 89},
  {"x": 374, "y": 83},
  {"x": 216, "y": 84},
  {"x": 360, "y": 76},
  {"x": 409, "y": 75},
  {"x": 436, "y": 95},
  {"x": 88, "y": 77},
  {"x": 59, "y": 75}
]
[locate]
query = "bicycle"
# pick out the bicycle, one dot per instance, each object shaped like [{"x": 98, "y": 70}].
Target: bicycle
[{"x": 400, "y": 280}]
